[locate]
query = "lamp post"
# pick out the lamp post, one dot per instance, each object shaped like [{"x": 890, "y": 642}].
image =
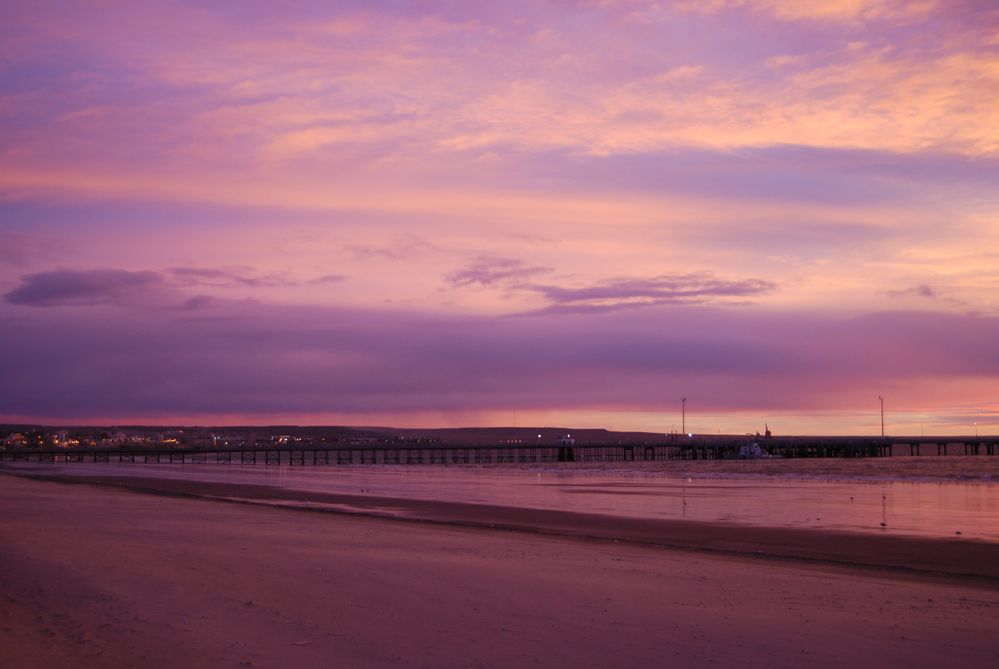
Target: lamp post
[
  {"x": 882, "y": 416},
  {"x": 683, "y": 416}
]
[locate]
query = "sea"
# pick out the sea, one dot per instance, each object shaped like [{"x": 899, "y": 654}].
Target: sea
[{"x": 925, "y": 496}]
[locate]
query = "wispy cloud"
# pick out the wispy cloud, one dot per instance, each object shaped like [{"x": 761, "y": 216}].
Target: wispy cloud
[
  {"x": 198, "y": 302},
  {"x": 242, "y": 277},
  {"x": 223, "y": 278},
  {"x": 326, "y": 278},
  {"x": 827, "y": 10},
  {"x": 141, "y": 289},
  {"x": 491, "y": 270},
  {"x": 512, "y": 276},
  {"x": 404, "y": 248},
  {"x": 678, "y": 289},
  {"x": 922, "y": 290}
]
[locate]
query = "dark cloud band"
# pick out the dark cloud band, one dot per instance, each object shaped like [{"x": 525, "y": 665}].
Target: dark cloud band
[{"x": 253, "y": 359}]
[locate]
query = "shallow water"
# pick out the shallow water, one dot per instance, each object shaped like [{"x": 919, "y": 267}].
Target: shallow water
[{"x": 924, "y": 496}]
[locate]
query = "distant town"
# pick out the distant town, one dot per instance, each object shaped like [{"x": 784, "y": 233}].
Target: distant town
[{"x": 167, "y": 437}]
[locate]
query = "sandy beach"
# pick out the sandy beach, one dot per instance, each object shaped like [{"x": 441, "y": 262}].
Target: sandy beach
[{"x": 103, "y": 576}]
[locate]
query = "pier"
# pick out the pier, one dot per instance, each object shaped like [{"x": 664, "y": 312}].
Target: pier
[{"x": 676, "y": 447}]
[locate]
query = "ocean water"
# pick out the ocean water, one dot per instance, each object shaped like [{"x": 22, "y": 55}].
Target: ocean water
[{"x": 950, "y": 496}]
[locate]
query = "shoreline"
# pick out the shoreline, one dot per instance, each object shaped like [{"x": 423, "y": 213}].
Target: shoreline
[
  {"x": 100, "y": 576},
  {"x": 960, "y": 559}
]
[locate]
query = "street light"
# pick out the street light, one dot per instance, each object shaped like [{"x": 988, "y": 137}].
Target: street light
[
  {"x": 882, "y": 400},
  {"x": 683, "y": 416}
]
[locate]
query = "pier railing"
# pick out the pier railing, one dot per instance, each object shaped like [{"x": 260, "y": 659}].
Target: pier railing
[{"x": 402, "y": 454}]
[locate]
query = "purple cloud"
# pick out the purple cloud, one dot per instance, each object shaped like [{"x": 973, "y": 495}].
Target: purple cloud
[
  {"x": 490, "y": 270},
  {"x": 234, "y": 277},
  {"x": 403, "y": 248},
  {"x": 198, "y": 302},
  {"x": 922, "y": 290},
  {"x": 223, "y": 278},
  {"x": 139, "y": 288},
  {"x": 254, "y": 359},
  {"x": 326, "y": 278},
  {"x": 85, "y": 288},
  {"x": 679, "y": 289}
]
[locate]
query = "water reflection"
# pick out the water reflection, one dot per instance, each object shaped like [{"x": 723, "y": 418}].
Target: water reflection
[{"x": 947, "y": 496}]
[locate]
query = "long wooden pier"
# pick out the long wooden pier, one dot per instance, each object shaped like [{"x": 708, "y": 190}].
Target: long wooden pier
[{"x": 679, "y": 448}]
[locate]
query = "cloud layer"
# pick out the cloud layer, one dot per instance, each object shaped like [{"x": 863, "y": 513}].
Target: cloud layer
[
  {"x": 246, "y": 359},
  {"x": 527, "y": 190}
]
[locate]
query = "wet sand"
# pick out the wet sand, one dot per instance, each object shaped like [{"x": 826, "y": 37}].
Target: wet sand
[
  {"x": 953, "y": 556},
  {"x": 931, "y": 500},
  {"x": 103, "y": 576}
]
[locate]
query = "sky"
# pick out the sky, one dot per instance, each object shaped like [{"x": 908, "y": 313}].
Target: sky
[{"x": 440, "y": 214}]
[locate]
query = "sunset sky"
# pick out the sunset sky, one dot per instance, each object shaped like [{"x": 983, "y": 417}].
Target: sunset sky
[{"x": 533, "y": 213}]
